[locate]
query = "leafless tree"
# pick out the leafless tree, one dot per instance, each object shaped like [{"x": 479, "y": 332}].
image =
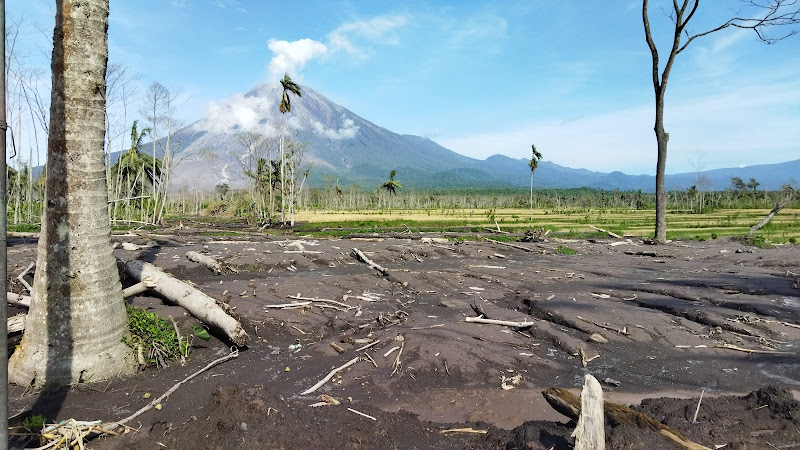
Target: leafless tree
[{"x": 761, "y": 16}]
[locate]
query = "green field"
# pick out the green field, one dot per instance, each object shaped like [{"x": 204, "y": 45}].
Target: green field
[{"x": 784, "y": 227}]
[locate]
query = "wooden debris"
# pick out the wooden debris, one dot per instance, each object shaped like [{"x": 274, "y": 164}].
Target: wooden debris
[
  {"x": 644, "y": 253},
  {"x": 596, "y": 337},
  {"x": 21, "y": 276},
  {"x": 364, "y": 347},
  {"x": 697, "y": 410},
  {"x": 288, "y": 305},
  {"x": 614, "y": 235},
  {"x": 321, "y": 300},
  {"x": 623, "y": 330},
  {"x": 336, "y": 347},
  {"x": 330, "y": 375},
  {"x": 508, "y": 244},
  {"x": 359, "y": 255},
  {"x": 569, "y": 404},
  {"x": 196, "y": 302},
  {"x": 109, "y": 428},
  {"x": 138, "y": 288},
  {"x": 507, "y": 323},
  {"x": 131, "y": 247},
  {"x": 752, "y": 350},
  {"x": 590, "y": 433},
  {"x": 16, "y": 323},
  {"x": 18, "y": 300},
  {"x": 207, "y": 261}
]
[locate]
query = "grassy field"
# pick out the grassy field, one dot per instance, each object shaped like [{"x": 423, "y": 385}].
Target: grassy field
[{"x": 784, "y": 227}]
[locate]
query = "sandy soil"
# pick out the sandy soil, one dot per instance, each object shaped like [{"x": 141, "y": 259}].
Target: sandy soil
[{"x": 664, "y": 312}]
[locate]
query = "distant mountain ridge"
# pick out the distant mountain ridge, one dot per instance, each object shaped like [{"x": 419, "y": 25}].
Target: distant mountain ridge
[{"x": 343, "y": 145}]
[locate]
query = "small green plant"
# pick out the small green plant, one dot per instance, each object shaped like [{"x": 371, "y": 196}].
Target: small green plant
[
  {"x": 154, "y": 339},
  {"x": 792, "y": 240},
  {"x": 34, "y": 423},
  {"x": 759, "y": 241},
  {"x": 561, "y": 250},
  {"x": 714, "y": 235}
]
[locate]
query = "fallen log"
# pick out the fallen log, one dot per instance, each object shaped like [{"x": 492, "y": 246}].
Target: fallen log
[
  {"x": 18, "y": 300},
  {"x": 359, "y": 255},
  {"x": 766, "y": 220},
  {"x": 207, "y": 261},
  {"x": 614, "y": 235},
  {"x": 569, "y": 404},
  {"x": 137, "y": 288},
  {"x": 196, "y": 302}
]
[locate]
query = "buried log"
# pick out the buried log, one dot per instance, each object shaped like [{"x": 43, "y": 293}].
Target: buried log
[
  {"x": 207, "y": 261},
  {"x": 359, "y": 255},
  {"x": 569, "y": 405},
  {"x": 196, "y": 302}
]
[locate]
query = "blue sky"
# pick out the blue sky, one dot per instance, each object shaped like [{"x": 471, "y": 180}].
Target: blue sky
[{"x": 480, "y": 77}]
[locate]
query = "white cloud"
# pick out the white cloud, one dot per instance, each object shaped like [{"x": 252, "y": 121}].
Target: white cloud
[
  {"x": 237, "y": 113},
  {"x": 348, "y": 130},
  {"x": 350, "y": 37},
  {"x": 290, "y": 57}
]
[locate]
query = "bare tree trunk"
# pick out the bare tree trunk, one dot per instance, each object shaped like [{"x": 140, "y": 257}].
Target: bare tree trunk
[{"x": 77, "y": 318}]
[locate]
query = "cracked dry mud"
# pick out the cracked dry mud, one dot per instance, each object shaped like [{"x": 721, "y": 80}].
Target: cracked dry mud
[{"x": 665, "y": 319}]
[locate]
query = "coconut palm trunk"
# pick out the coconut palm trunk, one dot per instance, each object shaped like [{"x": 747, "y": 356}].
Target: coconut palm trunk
[{"x": 77, "y": 316}]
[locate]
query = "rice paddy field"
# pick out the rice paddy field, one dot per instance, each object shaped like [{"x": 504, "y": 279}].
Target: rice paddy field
[{"x": 783, "y": 228}]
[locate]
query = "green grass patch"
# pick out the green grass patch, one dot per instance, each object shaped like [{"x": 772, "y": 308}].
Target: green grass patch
[
  {"x": 153, "y": 338},
  {"x": 561, "y": 250}
]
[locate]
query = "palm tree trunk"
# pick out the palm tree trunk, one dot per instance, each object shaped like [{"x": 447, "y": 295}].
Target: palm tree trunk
[
  {"x": 531, "y": 196},
  {"x": 283, "y": 185},
  {"x": 77, "y": 317}
]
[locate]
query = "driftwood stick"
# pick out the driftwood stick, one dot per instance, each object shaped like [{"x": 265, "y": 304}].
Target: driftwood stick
[
  {"x": 18, "y": 300},
  {"x": 114, "y": 425},
  {"x": 359, "y": 255},
  {"x": 361, "y": 414},
  {"x": 590, "y": 433},
  {"x": 752, "y": 350},
  {"x": 508, "y": 244},
  {"x": 568, "y": 404},
  {"x": 207, "y": 261},
  {"x": 287, "y": 305},
  {"x": 364, "y": 347},
  {"x": 697, "y": 410},
  {"x": 138, "y": 288},
  {"x": 321, "y": 300},
  {"x": 330, "y": 375},
  {"x": 196, "y": 302},
  {"x": 507, "y": 323},
  {"x": 21, "y": 276}
]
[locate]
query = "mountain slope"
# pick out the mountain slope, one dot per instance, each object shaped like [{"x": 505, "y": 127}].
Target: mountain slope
[{"x": 343, "y": 145}]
